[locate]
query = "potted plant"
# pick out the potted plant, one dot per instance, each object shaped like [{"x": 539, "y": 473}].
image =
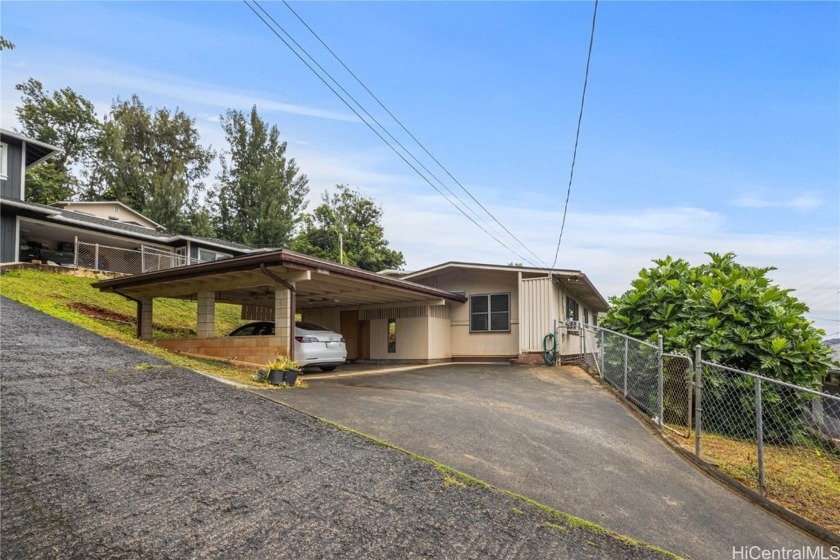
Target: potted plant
[{"x": 282, "y": 369}]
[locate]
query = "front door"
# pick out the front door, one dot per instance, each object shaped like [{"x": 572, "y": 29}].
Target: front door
[
  {"x": 364, "y": 340},
  {"x": 350, "y": 332}
]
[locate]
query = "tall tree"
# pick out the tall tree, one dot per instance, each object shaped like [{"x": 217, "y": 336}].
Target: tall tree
[
  {"x": 151, "y": 160},
  {"x": 261, "y": 193},
  {"x": 66, "y": 120},
  {"x": 347, "y": 228},
  {"x": 6, "y": 44}
]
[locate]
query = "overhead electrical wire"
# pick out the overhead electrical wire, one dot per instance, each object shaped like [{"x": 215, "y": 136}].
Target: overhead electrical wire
[
  {"x": 413, "y": 137},
  {"x": 371, "y": 117},
  {"x": 349, "y": 106},
  {"x": 577, "y": 134}
]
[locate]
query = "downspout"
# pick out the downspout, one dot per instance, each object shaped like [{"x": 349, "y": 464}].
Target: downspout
[{"x": 291, "y": 289}]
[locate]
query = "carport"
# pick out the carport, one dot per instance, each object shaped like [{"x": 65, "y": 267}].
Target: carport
[{"x": 276, "y": 285}]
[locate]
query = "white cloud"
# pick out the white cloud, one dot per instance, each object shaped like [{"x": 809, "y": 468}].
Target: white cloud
[{"x": 806, "y": 201}]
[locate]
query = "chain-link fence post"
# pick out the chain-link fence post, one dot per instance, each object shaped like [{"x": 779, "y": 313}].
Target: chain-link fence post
[
  {"x": 759, "y": 433},
  {"x": 96, "y": 257},
  {"x": 698, "y": 399},
  {"x": 661, "y": 387},
  {"x": 142, "y": 258},
  {"x": 603, "y": 353},
  {"x": 76, "y": 251},
  {"x": 626, "y": 364}
]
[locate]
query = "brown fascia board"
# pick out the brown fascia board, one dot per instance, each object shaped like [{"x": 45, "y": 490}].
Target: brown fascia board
[
  {"x": 559, "y": 273},
  {"x": 483, "y": 266},
  {"x": 280, "y": 257}
]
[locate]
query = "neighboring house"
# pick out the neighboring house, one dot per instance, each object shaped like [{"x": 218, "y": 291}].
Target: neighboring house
[
  {"x": 454, "y": 311},
  {"x": 832, "y": 378},
  {"x": 99, "y": 235}
]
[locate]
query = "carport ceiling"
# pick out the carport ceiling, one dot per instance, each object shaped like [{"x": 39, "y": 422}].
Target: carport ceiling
[{"x": 319, "y": 283}]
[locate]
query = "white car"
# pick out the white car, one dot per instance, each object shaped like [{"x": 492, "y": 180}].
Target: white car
[{"x": 315, "y": 346}]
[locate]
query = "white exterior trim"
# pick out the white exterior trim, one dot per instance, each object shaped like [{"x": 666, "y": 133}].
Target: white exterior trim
[
  {"x": 17, "y": 239},
  {"x": 4, "y": 160},
  {"x": 23, "y": 171}
]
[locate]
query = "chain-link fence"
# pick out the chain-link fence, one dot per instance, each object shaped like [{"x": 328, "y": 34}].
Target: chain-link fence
[
  {"x": 658, "y": 383},
  {"x": 126, "y": 261},
  {"x": 772, "y": 436},
  {"x": 780, "y": 439}
]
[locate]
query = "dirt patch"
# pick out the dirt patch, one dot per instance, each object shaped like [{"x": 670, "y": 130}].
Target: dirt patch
[
  {"x": 101, "y": 313},
  {"x": 105, "y": 314}
]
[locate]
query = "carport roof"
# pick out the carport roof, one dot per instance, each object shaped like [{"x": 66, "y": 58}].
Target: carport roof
[{"x": 319, "y": 283}]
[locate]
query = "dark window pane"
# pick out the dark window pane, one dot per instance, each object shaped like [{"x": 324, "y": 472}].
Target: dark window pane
[
  {"x": 499, "y": 302},
  {"x": 478, "y": 322},
  {"x": 499, "y": 321},
  {"x": 478, "y": 304}
]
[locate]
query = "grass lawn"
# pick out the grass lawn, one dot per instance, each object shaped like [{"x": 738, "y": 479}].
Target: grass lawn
[
  {"x": 71, "y": 298},
  {"x": 803, "y": 479}
]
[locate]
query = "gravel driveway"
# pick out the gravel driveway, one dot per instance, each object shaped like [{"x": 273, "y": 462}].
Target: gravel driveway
[{"x": 110, "y": 453}]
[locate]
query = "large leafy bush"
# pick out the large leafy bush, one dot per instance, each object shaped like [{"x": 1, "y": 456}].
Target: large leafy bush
[{"x": 741, "y": 320}]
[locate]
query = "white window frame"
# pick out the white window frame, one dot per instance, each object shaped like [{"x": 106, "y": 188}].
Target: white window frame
[
  {"x": 218, "y": 255},
  {"x": 489, "y": 313},
  {"x": 4, "y": 161}
]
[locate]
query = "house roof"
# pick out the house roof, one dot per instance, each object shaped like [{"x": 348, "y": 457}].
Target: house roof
[
  {"x": 36, "y": 151},
  {"x": 244, "y": 280},
  {"x": 574, "y": 282},
  {"x": 128, "y": 209},
  {"x": 87, "y": 221}
]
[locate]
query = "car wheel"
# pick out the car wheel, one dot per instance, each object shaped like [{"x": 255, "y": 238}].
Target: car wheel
[{"x": 328, "y": 368}]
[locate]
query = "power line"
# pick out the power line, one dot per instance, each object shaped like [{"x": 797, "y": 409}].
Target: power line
[
  {"x": 401, "y": 156},
  {"x": 422, "y": 146},
  {"x": 366, "y": 112},
  {"x": 577, "y": 134}
]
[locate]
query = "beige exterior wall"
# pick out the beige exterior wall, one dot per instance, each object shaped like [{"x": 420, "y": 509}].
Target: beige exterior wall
[
  {"x": 465, "y": 344},
  {"x": 330, "y": 318},
  {"x": 412, "y": 339},
  {"x": 440, "y": 339}
]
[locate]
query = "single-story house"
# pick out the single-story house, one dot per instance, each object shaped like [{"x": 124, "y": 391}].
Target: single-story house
[
  {"x": 454, "y": 311},
  {"x": 98, "y": 235}
]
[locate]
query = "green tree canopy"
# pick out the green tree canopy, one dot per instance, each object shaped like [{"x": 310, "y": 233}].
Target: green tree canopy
[
  {"x": 151, "y": 160},
  {"x": 66, "y": 120},
  {"x": 348, "y": 218},
  {"x": 261, "y": 193},
  {"x": 733, "y": 311}
]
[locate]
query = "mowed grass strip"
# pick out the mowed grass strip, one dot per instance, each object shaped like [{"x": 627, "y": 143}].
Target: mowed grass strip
[{"x": 72, "y": 299}]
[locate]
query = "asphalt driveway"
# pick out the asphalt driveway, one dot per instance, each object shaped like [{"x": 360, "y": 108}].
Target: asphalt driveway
[
  {"x": 554, "y": 435},
  {"x": 107, "y": 452}
]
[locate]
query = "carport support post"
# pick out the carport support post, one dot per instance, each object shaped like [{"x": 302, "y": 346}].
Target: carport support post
[
  {"x": 283, "y": 317},
  {"x": 661, "y": 387},
  {"x": 206, "y": 324},
  {"x": 144, "y": 318}
]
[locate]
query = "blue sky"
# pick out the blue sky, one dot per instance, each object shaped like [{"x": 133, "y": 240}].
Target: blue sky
[{"x": 708, "y": 126}]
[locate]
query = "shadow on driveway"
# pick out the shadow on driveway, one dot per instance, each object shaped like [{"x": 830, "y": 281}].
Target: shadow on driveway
[{"x": 556, "y": 436}]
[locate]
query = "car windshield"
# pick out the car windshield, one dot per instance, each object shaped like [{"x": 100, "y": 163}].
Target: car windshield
[{"x": 311, "y": 327}]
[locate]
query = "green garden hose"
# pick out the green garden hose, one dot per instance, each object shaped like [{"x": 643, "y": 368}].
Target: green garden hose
[{"x": 550, "y": 354}]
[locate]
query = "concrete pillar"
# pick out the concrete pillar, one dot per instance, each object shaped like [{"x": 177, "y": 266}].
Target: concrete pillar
[
  {"x": 206, "y": 324},
  {"x": 282, "y": 318},
  {"x": 144, "y": 319}
]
